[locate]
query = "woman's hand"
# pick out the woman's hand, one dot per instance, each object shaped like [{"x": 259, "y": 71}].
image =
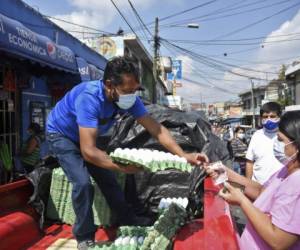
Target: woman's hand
[
  {"x": 196, "y": 158},
  {"x": 232, "y": 195}
]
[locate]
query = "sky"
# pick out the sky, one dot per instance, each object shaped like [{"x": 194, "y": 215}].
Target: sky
[{"x": 236, "y": 39}]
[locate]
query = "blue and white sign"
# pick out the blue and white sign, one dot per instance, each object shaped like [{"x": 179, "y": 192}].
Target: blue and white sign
[
  {"x": 176, "y": 70},
  {"x": 18, "y": 39},
  {"x": 83, "y": 69}
]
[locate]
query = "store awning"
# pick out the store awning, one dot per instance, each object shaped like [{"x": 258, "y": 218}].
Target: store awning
[
  {"x": 83, "y": 69},
  {"x": 95, "y": 73},
  {"x": 17, "y": 39}
]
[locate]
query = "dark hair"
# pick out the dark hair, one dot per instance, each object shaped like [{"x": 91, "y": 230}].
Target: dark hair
[
  {"x": 289, "y": 125},
  {"x": 271, "y": 107},
  {"x": 118, "y": 66},
  {"x": 238, "y": 128},
  {"x": 35, "y": 127}
]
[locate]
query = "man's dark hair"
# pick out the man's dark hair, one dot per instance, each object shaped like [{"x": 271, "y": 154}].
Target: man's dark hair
[
  {"x": 289, "y": 125},
  {"x": 271, "y": 107},
  {"x": 118, "y": 66}
]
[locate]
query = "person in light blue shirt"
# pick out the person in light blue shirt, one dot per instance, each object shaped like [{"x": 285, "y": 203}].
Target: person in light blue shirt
[{"x": 87, "y": 110}]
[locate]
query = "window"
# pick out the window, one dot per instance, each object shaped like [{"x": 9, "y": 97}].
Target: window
[{"x": 8, "y": 116}]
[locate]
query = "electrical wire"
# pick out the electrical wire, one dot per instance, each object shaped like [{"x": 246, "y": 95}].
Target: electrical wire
[
  {"x": 123, "y": 17},
  {"x": 79, "y": 25},
  {"x": 215, "y": 66},
  {"x": 140, "y": 19},
  {"x": 214, "y": 61},
  {"x": 256, "y": 22},
  {"x": 232, "y": 14},
  {"x": 216, "y": 12}
]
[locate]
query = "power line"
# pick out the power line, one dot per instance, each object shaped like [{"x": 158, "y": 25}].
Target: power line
[
  {"x": 234, "y": 44},
  {"x": 187, "y": 10},
  {"x": 257, "y": 22},
  {"x": 234, "y": 14},
  {"x": 217, "y": 66},
  {"x": 79, "y": 25},
  {"x": 215, "y": 62},
  {"x": 236, "y": 40},
  {"x": 210, "y": 84},
  {"x": 124, "y": 18},
  {"x": 181, "y": 12},
  {"x": 219, "y": 11},
  {"x": 140, "y": 19}
]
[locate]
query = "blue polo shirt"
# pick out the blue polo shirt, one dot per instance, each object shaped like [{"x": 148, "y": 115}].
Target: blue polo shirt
[{"x": 86, "y": 105}]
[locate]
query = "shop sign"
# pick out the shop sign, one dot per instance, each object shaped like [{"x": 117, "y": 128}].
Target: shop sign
[
  {"x": 16, "y": 38},
  {"x": 83, "y": 69}
]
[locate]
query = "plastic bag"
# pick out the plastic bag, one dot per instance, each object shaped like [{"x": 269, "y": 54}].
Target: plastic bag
[{"x": 191, "y": 131}]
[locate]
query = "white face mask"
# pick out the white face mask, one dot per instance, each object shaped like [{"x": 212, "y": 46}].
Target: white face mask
[
  {"x": 278, "y": 149},
  {"x": 126, "y": 101},
  {"x": 241, "y": 136}
]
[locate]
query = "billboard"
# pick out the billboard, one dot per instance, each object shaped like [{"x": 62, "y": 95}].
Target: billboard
[
  {"x": 176, "y": 73},
  {"x": 108, "y": 47}
]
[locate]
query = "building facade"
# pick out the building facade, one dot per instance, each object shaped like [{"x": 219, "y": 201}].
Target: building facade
[{"x": 39, "y": 62}]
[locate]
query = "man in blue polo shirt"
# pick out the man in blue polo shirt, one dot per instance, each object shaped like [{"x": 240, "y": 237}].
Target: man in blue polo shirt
[{"x": 85, "y": 111}]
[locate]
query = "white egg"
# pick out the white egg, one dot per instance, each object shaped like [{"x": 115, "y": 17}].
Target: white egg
[
  {"x": 125, "y": 240},
  {"x": 133, "y": 240},
  {"x": 141, "y": 240},
  {"x": 118, "y": 241},
  {"x": 185, "y": 202}
]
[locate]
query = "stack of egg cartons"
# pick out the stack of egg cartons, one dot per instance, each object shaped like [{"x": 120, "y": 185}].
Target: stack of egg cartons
[
  {"x": 60, "y": 201},
  {"x": 165, "y": 228},
  {"x": 128, "y": 238},
  {"x": 151, "y": 160}
]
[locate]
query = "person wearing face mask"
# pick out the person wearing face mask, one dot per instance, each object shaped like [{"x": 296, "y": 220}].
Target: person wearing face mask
[
  {"x": 274, "y": 217},
  {"x": 239, "y": 148},
  {"x": 72, "y": 128},
  {"x": 261, "y": 162}
]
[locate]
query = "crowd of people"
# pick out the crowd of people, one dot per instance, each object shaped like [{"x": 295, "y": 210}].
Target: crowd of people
[{"x": 270, "y": 198}]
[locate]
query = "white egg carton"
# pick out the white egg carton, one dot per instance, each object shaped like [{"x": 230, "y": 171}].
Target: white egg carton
[{"x": 152, "y": 160}]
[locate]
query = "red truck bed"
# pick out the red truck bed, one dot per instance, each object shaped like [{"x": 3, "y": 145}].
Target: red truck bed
[{"x": 19, "y": 227}]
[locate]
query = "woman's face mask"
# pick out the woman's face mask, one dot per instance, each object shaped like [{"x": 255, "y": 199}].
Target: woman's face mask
[{"x": 279, "y": 152}]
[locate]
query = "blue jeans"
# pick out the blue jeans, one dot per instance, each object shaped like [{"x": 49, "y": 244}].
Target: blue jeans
[{"x": 78, "y": 173}]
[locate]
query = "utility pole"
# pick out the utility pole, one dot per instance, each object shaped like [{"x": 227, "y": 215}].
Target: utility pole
[
  {"x": 155, "y": 60},
  {"x": 252, "y": 101}
]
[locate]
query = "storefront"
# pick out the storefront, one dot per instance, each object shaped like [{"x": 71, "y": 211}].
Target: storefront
[{"x": 34, "y": 74}]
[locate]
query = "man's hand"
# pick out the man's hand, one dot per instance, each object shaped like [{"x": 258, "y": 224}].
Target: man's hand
[
  {"x": 129, "y": 169},
  {"x": 196, "y": 158}
]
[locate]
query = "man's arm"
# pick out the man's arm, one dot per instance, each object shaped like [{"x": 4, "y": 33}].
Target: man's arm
[
  {"x": 96, "y": 156},
  {"x": 164, "y": 137},
  {"x": 249, "y": 169}
]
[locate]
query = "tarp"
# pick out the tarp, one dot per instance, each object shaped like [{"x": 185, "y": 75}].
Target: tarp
[
  {"x": 191, "y": 131},
  {"x": 17, "y": 39}
]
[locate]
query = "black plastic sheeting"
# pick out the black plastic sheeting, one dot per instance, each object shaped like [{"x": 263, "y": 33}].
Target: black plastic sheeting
[
  {"x": 192, "y": 132},
  {"x": 144, "y": 190},
  {"x": 40, "y": 178}
]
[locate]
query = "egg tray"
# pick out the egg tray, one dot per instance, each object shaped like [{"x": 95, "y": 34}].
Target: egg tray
[
  {"x": 158, "y": 237},
  {"x": 154, "y": 166}
]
